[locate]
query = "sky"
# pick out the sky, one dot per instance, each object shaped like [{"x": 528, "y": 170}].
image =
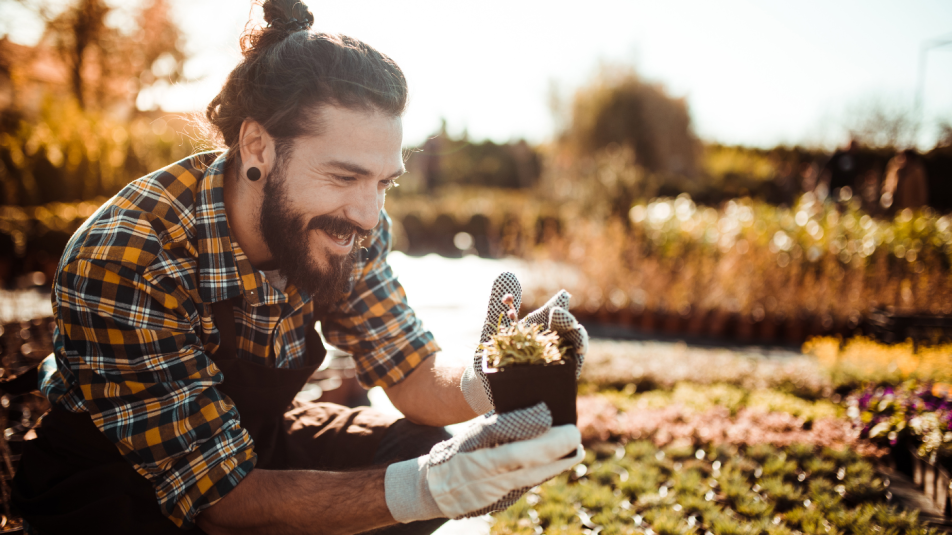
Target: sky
[{"x": 756, "y": 73}]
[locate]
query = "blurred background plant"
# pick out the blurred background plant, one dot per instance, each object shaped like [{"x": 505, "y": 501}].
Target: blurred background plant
[
  {"x": 861, "y": 360},
  {"x": 76, "y": 122},
  {"x": 103, "y": 55},
  {"x": 643, "y": 222}
]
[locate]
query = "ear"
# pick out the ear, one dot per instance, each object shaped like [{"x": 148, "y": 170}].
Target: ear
[{"x": 256, "y": 147}]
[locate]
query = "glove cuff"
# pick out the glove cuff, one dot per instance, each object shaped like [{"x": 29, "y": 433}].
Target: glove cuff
[
  {"x": 474, "y": 392},
  {"x": 407, "y": 493}
]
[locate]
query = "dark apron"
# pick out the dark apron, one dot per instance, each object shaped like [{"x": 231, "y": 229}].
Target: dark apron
[{"x": 72, "y": 479}]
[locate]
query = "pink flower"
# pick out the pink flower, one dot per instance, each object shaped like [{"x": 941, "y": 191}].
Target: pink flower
[
  {"x": 596, "y": 418},
  {"x": 600, "y": 420}
]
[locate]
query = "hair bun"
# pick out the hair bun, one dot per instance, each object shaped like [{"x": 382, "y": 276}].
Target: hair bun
[
  {"x": 283, "y": 18},
  {"x": 287, "y": 16}
]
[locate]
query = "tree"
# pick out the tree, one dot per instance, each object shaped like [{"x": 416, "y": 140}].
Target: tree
[
  {"x": 878, "y": 123},
  {"x": 109, "y": 64},
  {"x": 620, "y": 108}
]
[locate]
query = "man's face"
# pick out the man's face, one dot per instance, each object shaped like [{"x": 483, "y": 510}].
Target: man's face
[{"x": 325, "y": 194}]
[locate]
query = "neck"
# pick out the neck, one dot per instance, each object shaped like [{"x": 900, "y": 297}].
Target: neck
[{"x": 243, "y": 205}]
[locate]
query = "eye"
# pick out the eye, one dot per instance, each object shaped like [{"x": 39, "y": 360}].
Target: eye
[
  {"x": 346, "y": 178},
  {"x": 389, "y": 183}
]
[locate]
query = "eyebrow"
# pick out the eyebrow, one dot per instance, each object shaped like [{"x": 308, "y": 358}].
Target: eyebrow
[{"x": 358, "y": 170}]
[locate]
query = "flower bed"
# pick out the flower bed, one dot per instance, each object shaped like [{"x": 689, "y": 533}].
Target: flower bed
[
  {"x": 914, "y": 413},
  {"x": 693, "y": 414},
  {"x": 859, "y": 361},
  {"x": 718, "y": 489}
]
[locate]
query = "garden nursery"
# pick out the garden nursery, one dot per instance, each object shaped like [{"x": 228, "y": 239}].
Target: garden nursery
[{"x": 771, "y": 347}]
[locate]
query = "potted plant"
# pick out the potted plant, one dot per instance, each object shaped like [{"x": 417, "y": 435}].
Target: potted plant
[{"x": 526, "y": 364}]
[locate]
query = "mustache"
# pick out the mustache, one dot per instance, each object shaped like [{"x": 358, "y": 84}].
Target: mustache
[{"x": 338, "y": 226}]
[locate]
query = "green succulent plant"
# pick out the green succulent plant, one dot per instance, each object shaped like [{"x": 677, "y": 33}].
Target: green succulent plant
[{"x": 521, "y": 343}]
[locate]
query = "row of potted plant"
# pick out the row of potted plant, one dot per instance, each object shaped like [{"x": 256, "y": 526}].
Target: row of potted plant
[
  {"x": 642, "y": 366},
  {"x": 759, "y": 327},
  {"x": 641, "y": 488},
  {"x": 828, "y": 368},
  {"x": 717, "y": 414},
  {"x": 774, "y": 272}
]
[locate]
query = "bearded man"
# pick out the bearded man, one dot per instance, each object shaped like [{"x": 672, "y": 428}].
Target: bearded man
[{"x": 186, "y": 310}]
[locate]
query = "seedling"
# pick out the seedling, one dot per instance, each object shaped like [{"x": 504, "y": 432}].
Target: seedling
[{"x": 521, "y": 344}]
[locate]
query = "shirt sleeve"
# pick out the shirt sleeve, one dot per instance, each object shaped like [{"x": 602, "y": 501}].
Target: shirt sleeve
[
  {"x": 374, "y": 323},
  {"x": 130, "y": 343}
]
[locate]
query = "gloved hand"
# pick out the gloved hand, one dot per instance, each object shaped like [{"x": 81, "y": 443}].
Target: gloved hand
[
  {"x": 486, "y": 468},
  {"x": 553, "y": 315}
]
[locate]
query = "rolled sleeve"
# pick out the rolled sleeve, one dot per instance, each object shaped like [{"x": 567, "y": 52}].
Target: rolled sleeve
[
  {"x": 145, "y": 380},
  {"x": 374, "y": 323}
]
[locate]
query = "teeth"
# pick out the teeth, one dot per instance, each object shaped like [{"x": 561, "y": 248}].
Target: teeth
[{"x": 341, "y": 237}]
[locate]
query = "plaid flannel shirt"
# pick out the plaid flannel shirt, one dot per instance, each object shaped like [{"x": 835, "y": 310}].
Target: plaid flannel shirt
[{"x": 132, "y": 302}]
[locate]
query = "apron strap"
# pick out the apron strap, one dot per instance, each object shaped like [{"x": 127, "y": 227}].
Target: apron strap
[{"x": 223, "y": 313}]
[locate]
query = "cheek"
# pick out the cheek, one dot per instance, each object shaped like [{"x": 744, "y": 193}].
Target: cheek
[{"x": 314, "y": 200}]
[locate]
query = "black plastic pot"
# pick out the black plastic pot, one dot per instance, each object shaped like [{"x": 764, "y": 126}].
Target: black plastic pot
[{"x": 519, "y": 387}]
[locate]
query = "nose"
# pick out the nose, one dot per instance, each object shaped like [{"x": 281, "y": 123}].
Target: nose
[{"x": 364, "y": 208}]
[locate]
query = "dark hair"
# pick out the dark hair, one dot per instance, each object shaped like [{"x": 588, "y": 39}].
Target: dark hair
[{"x": 287, "y": 73}]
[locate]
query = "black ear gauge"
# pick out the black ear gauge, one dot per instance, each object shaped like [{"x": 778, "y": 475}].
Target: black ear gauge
[{"x": 253, "y": 173}]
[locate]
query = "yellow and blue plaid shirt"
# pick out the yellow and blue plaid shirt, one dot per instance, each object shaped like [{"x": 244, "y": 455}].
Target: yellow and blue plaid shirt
[{"x": 134, "y": 330}]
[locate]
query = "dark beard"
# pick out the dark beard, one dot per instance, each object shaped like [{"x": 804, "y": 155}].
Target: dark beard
[{"x": 286, "y": 234}]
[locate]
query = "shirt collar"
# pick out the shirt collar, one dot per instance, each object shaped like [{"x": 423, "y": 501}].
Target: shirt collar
[{"x": 224, "y": 271}]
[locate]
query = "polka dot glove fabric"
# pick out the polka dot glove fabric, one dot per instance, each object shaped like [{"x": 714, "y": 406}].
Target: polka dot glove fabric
[
  {"x": 473, "y": 383},
  {"x": 553, "y": 315},
  {"x": 486, "y": 468}
]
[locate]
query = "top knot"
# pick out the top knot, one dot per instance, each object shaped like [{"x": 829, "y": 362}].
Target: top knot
[
  {"x": 282, "y": 18},
  {"x": 287, "y": 15},
  {"x": 291, "y": 25}
]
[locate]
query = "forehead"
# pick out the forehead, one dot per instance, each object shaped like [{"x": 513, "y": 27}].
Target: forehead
[{"x": 366, "y": 137}]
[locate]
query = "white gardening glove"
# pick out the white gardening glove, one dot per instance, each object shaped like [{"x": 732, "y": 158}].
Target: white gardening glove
[
  {"x": 553, "y": 315},
  {"x": 486, "y": 468}
]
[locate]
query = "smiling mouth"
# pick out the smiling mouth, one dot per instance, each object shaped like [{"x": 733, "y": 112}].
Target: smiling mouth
[{"x": 343, "y": 240}]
